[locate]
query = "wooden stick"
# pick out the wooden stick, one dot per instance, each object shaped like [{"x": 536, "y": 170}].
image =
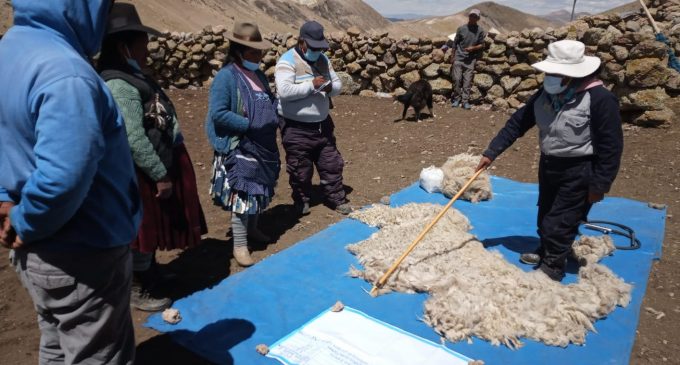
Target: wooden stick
[
  {"x": 649, "y": 15},
  {"x": 422, "y": 234}
]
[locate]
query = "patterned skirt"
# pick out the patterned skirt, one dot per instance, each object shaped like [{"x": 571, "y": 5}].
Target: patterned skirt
[{"x": 234, "y": 200}]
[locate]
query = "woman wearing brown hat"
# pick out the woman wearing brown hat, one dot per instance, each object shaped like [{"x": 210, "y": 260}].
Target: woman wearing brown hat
[
  {"x": 241, "y": 126},
  {"x": 172, "y": 217}
]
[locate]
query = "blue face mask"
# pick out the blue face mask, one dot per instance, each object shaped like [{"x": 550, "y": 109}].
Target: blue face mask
[
  {"x": 553, "y": 85},
  {"x": 312, "y": 56},
  {"x": 252, "y": 66},
  {"x": 132, "y": 62}
]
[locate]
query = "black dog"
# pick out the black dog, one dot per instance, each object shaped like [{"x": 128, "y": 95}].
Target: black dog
[{"x": 418, "y": 96}]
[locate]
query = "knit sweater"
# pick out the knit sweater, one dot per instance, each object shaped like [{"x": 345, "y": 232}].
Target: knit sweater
[
  {"x": 129, "y": 103},
  {"x": 226, "y": 122}
]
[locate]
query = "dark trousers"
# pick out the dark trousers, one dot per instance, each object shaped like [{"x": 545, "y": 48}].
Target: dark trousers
[
  {"x": 562, "y": 205},
  {"x": 308, "y": 145}
]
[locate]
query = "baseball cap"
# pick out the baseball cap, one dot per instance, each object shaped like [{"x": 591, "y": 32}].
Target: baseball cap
[{"x": 312, "y": 33}]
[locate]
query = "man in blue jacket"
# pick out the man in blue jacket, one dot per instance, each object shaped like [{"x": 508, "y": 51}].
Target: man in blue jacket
[{"x": 70, "y": 205}]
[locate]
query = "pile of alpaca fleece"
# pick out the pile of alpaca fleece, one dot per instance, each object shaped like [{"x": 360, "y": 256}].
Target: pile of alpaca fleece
[
  {"x": 457, "y": 171},
  {"x": 475, "y": 291}
]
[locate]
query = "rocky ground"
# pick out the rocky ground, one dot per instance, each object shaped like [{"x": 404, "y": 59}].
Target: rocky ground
[{"x": 383, "y": 156}]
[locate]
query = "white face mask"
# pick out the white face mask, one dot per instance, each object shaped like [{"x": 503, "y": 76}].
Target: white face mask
[{"x": 553, "y": 84}]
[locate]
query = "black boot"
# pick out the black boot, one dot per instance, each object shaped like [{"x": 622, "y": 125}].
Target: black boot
[
  {"x": 553, "y": 272},
  {"x": 142, "y": 296}
]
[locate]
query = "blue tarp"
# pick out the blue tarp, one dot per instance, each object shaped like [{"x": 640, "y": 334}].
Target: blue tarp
[{"x": 264, "y": 303}]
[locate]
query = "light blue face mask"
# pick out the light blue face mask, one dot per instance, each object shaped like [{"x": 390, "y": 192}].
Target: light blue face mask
[
  {"x": 252, "y": 66},
  {"x": 132, "y": 62},
  {"x": 312, "y": 56},
  {"x": 553, "y": 85}
]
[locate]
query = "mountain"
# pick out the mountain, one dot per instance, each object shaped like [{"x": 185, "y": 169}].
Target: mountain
[
  {"x": 561, "y": 17},
  {"x": 271, "y": 15},
  {"x": 500, "y": 17},
  {"x": 404, "y": 16},
  {"x": 287, "y": 15},
  {"x": 626, "y": 8}
]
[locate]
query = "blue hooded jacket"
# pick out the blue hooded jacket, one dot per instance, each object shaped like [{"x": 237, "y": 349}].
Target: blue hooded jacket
[{"x": 64, "y": 154}]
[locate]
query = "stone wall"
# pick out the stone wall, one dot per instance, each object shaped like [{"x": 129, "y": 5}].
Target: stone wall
[{"x": 634, "y": 63}]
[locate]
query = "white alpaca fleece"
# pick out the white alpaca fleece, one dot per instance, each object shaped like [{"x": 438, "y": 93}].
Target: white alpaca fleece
[
  {"x": 475, "y": 291},
  {"x": 589, "y": 249},
  {"x": 458, "y": 170}
]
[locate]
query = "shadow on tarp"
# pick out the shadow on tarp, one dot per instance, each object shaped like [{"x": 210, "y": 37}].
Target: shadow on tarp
[
  {"x": 284, "y": 291},
  {"x": 227, "y": 333},
  {"x": 522, "y": 244}
]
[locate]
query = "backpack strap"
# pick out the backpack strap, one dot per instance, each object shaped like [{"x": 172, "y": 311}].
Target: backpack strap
[{"x": 146, "y": 91}]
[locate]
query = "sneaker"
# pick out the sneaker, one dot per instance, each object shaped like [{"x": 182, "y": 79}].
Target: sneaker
[
  {"x": 530, "y": 258},
  {"x": 467, "y": 106},
  {"x": 143, "y": 299},
  {"x": 302, "y": 208},
  {"x": 344, "y": 209},
  {"x": 553, "y": 273},
  {"x": 455, "y": 103},
  {"x": 242, "y": 257}
]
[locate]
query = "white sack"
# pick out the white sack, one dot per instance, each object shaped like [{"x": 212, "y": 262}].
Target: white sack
[{"x": 431, "y": 179}]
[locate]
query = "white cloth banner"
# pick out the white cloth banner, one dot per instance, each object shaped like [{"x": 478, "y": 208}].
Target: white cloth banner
[{"x": 351, "y": 337}]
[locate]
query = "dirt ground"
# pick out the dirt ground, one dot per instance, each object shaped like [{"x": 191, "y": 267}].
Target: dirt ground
[{"x": 383, "y": 156}]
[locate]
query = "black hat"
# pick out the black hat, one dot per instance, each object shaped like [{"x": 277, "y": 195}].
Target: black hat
[
  {"x": 124, "y": 18},
  {"x": 312, "y": 33}
]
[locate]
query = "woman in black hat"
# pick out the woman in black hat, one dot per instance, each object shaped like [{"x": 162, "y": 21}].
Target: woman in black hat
[
  {"x": 173, "y": 217},
  {"x": 241, "y": 126}
]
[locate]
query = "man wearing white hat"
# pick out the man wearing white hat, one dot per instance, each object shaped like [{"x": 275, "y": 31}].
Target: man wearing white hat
[
  {"x": 581, "y": 143},
  {"x": 468, "y": 42}
]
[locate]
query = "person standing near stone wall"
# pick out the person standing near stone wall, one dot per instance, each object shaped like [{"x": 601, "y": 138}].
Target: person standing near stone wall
[
  {"x": 69, "y": 203},
  {"x": 467, "y": 49},
  {"x": 172, "y": 215},
  {"x": 305, "y": 81},
  {"x": 581, "y": 142},
  {"x": 241, "y": 126}
]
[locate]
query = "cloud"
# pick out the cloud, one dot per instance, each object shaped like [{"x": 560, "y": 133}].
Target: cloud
[{"x": 439, "y": 7}]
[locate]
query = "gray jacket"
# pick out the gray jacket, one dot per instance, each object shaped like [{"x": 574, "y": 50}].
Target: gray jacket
[
  {"x": 588, "y": 125},
  {"x": 565, "y": 133}
]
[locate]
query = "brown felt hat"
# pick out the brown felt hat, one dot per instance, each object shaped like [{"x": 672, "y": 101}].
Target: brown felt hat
[
  {"x": 124, "y": 18},
  {"x": 248, "y": 34}
]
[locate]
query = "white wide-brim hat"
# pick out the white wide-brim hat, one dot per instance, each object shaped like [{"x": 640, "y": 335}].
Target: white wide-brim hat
[{"x": 567, "y": 58}]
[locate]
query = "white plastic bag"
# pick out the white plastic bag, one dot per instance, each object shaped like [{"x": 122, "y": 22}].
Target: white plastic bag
[{"x": 431, "y": 179}]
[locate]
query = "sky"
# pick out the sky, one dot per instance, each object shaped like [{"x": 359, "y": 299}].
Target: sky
[{"x": 445, "y": 7}]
